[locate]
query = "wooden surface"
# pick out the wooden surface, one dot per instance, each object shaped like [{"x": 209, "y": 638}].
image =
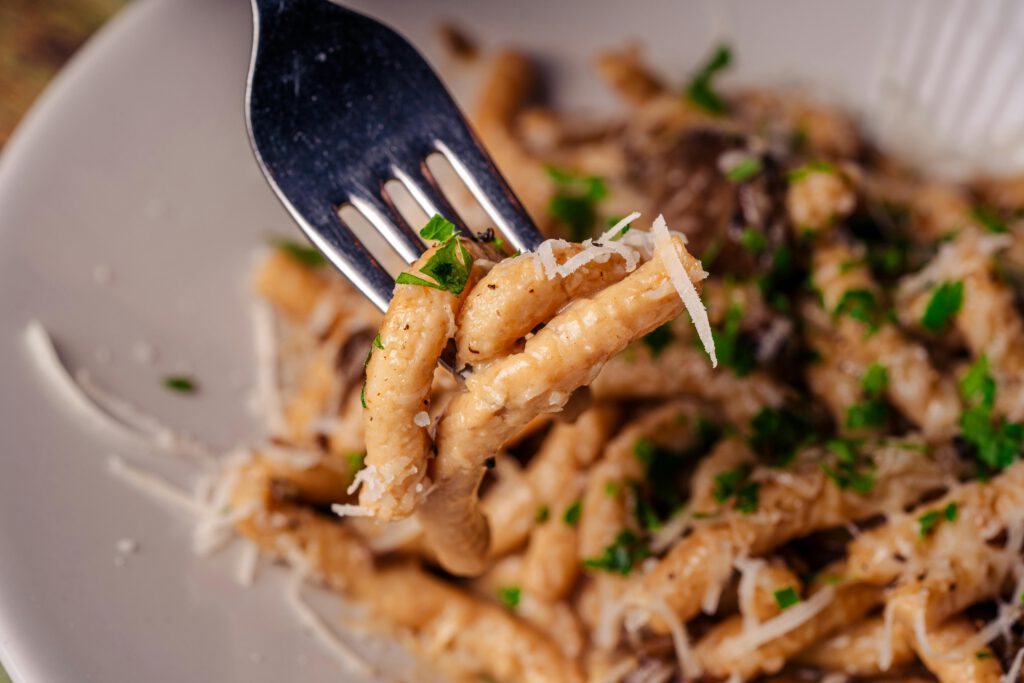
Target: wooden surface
[{"x": 36, "y": 38}]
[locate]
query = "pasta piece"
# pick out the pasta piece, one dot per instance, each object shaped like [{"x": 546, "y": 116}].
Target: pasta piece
[
  {"x": 730, "y": 651},
  {"x": 818, "y": 197},
  {"x": 914, "y": 386},
  {"x": 499, "y": 400},
  {"x": 987, "y": 319},
  {"x": 803, "y": 501},
  {"x": 399, "y": 375},
  {"x": 855, "y": 649},
  {"x": 629, "y": 77},
  {"x": 550, "y": 563},
  {"x": 681, "y": 370},
  {"x": 289, "y": 285},
  {"x": 516, "y": 296}
]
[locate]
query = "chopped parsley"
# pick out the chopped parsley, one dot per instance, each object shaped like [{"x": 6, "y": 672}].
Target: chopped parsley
[
  {"x": 354, "y": 462},
  {"x": 931, "y": 519},
  {"x": 995, "y": 441},
  {"x": 851, "y": 471},
  {"x": 873, "y": 411},
  {"x": 305, "y": 254},
  {"x": 180, "y": 384},
  {"x": 660, "y": 496},
  {"x": 612, "y": 488},
  {"x": 862, "y": 305},
  {"x": 450, "y": 265},
  {"x": 745, "y": 169},
  {"x": 802, "y": 172},
  {"x": 543, "y": 512},
  {"x": 574, "y": 204},
  {"x": 701, "y": 92},
  {"x": 627, "y": 551},
  {"x": 734, "y": 352},
  {"x": 982, "y": 654},
  {"x": 989, "y": 218},
  {"x": 754, "y": 240},
  {"x": 786, "y": 597},
  {"x": 777, "y": 433},
  {"x": 377, "y": 343},
  {"x": 945, "y": 303},
  {"x": 735, "y": 484},
  {"x": 658, "y": 339},
  {"x": 439, "y": 229},
  {"x": 572, "y": 513},
  {"x": 510, "y": 596}
]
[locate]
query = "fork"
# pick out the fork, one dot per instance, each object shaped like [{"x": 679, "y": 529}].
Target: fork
[{"x": 337, "y": 105}]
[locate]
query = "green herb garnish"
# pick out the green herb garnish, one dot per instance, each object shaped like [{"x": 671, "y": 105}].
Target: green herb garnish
[
  {"x": 995, "y": 441},
  {"x": 989, "y": 218},
  {"x": 929, "y": 520},
  {"x": 575, "y": 201},
  {"x": 305, "y": 254},
  {"x": 543, "y": 513},
  {"x": 745, "y": 169},
  {"x": 658, "y": 339},
  {"x": 377, "y": 342},
  {"x": 786, "y": 597},
  {"x": 945, "y": 303},
  {"x": 181, "y": 384},
  {"x": 449, "y": 266},
  {"x": 735, "y": 483},
  {"x": 622, "y": 556},
  {"x": 982, "y": 654},
  {"x": 777, "y": 433},
  {"x": 572, "y": 513},
  {"x": 802, "y": 172},
  {"x": 439, "y": 229},
  {"x": 701, "y": 92},
  {"x": 510, "y": 596},
  {"x": 851, "y": 471},
  {"x": 874, "y": 411},
  {"x": 732, "y": 350},
  {"x": 754, "y": 240},
  {"x": 862, "y": 305}
]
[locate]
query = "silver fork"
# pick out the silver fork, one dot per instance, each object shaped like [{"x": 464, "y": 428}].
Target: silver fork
[{"x": 337, "y": 105}]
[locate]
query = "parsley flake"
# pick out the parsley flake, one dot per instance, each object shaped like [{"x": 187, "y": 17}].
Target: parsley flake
[
  {"x": 733, "y": 351},
  {"x": 438, "y": 228},
  {"x": 701, "y": 92},
  {"x": 943, "y": 306},
  {"x": 786, "y": 597},
  {"x": 931, "y": 519},
  {"x": 543, "y": 513},
  {"x": 810, "y": 168},
  {"x": 180, "y": 384},
  {"x": 777, "y": 433},
  {"x": 989, "y": 219},
  {"x": 754, "y": 240},
  {"x": 307, "y": 255},
  {"x": 745, "y": 169},
  {"x": 627, "y": 551},
  {"x": 449, "y": 267},
  {"x": 851, "y": 471},
  {"x": 572, "y": 513},
  {"x": 658, "y": 339},
  {"x": 510, "y": 596},
  {"x": 873, "y": 412},
  {"x": 735, "y": 483},
  {"x": 575, "y": 201},
  {"x": 995, "y": 441},
  {"x": 862, "y": 305}
]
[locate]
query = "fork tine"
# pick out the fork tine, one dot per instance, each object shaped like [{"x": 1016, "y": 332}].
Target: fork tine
[
  {"x": 484, "y": 181},
  {"x": 342, "y": 248},
  {"x": 427, "y": 193},
  {"x": 389, "y": 223}
]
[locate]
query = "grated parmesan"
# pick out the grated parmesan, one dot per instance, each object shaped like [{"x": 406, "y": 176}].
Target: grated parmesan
[
  {"x": 790, "y": 619},
  {"x": 687, "y": 292},
  {"x": 151, "y": 484}
]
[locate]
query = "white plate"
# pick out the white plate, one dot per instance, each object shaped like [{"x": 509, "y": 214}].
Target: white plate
[{"x": 136, "y": 160}]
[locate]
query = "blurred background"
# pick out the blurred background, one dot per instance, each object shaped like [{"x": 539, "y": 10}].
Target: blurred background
[{"x": 36, "y": 38}]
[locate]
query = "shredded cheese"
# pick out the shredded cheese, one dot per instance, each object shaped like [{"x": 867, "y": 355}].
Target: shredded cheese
[
  {"x": 786, "y": 621},
  {"x": 248, "y": 562},
  {"x": 666, "y": 251},
  {"x": 341, "y": 651},
  {"x": 1013, "y": 675},
  {"x": 151, "y": 484}
]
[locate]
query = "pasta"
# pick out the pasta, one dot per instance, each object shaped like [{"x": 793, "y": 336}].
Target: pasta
[{"x": 779, "y": 444}]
